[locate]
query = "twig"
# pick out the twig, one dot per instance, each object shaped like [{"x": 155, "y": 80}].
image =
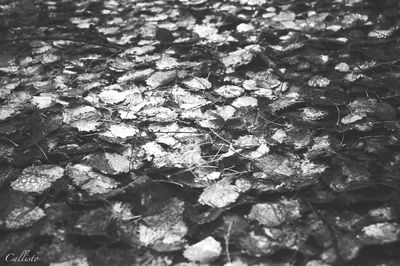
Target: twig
[
  {"x": 386, "y": 121},
  {"x": 341, "y": 142},
  {"x": 228, "y": 256},
  {"x": 15, "y": 144},
  {"x": 40, "y": 148},
  {"x": 236, "y": 173},
  {"x": 391, "y": 96},
  {"x": 167, "y": 181},
  {"x": 131, "y": 159},
  {"x": 178, "y": 132},
  {"x": 219, "y": 150},
  {"x": 270, "y": 121},
  {"x": 216, "y": 134},
  {"x": 338, "y": 116},
  {"x": 118, "y": 190}
]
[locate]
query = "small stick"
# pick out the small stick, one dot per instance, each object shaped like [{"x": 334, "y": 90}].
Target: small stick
[
  {"x": 15, "y": 144},
  {"x": 338, "y": 117},
  {"x": 228, "y": 256},
  {"x": 216, "y": 134},
  {"x": 40, "y": 148}
]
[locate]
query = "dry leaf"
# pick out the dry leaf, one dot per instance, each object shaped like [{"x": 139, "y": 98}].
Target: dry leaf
[
  {"x": 204, "y": 251},
  {"x": 84, "y": 118},
  {"x": 122, "y": 131},
  {"x": 275, "y": 214},
  {"x": 318, "y": 81},
  {"x": 229, "y": 91},
  {"x": 197, "y": 84},
  {"x": 37, "y": 178},
  {"x": 220, "y": 194},
  {"x": 109, "y": 163},
  {"x": 89, "y": 180},
  {"x": 381, "y": 233},
  {"x": 23, "y": 217},
  {"x": 160, "y": 78}
]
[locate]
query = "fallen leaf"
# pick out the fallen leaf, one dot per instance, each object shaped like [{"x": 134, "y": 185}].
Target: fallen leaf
[
  {"x": 164, "y": 231},
  {"x": 285, "y": 101},
  {"x": 109, "y": 163},
  {"x": 94, "y": 222},
  {"x": 23, "y": 217},
  {"x": 380, "y": 233},
  {"x": 245, "y": 102},
  {"x": 238, "y": 58},
  {"x": 197, "y": 84},
  {"x": 229, "y": 91},
  {"x": 160, "y": 78},
  {"x": 158, "y": 114},
  {"x": 380, "y": 33},
  {"x": 110, "y": 96},
  {"x": 122, "y": 131},
  {"x": 89, "y": 180},
  {"x": 313, "y": 114},
  {"x": 209, "y": 33},
  {"x": 166, "y": 62},
  {"x": 220, "y": 194},
  {"x": 353, "y": 117},
  {"x": 122, "y": 211},
  {"x": 243, "y": 27},
  {"x": 342, "y": 67},
  {"x": 187, "y": 100},
  {"x": 187, "y": 155},
  {"x": 275, "y": 214},
  {"x": 319, "y": 81},
  {"x": 204, "y": 251},
  {"x": 164, "y": 35},
  {"x": 43, "y": 102},
  {"x": 284, "y": 15},
  {"x": 363, "y": 105},
  {"x": 247, "y": 142},
  {"x": 84, "y": 118},
  {"x": 37, "y": 178},
  {"x": 6, "y": 112}
]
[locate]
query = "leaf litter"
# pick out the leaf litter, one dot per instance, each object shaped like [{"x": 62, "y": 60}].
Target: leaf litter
[{"x": 200, "y": 132}]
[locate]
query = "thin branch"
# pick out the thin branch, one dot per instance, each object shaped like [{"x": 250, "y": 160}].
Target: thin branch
[
  {"x": 228, "y": 256},
  {"x": 216, "y": 134},
  {"x": 40, "y": 148},
  {"x": 338, "y": 116},
  {"x": 15, "y": 144},
  {"x": 167, "y": 181}
]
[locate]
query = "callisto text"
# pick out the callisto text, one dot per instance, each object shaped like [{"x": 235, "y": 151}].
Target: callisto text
[{"x": 23, "y": 256}]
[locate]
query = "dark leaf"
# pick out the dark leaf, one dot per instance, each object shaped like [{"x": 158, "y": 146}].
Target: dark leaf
[{"x": 164, "y": 36}]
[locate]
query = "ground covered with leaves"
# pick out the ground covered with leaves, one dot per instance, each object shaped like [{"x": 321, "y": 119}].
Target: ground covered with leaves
[{"x": 194, "y": 132}]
